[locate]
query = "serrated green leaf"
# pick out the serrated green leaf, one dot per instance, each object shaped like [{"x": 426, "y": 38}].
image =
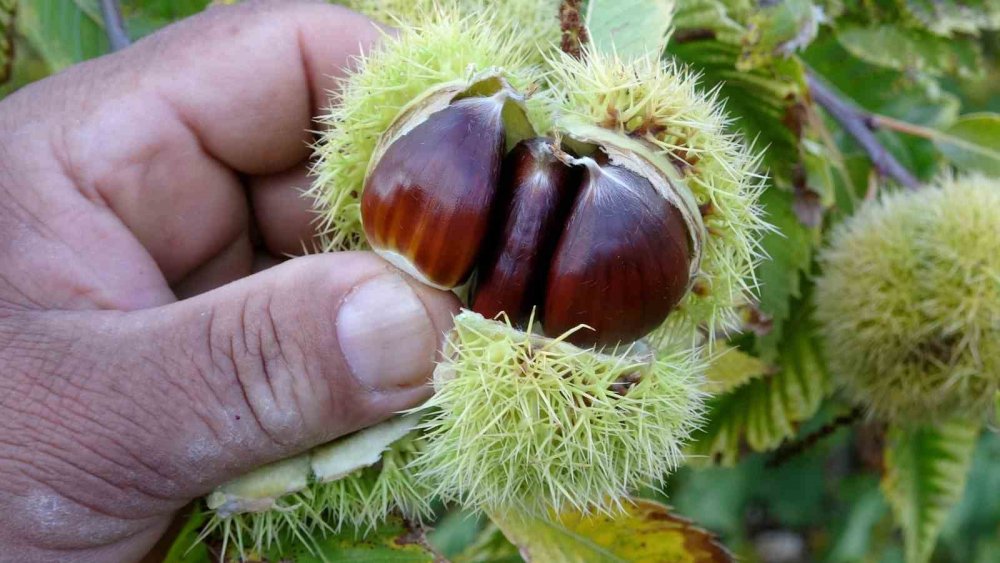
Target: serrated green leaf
[
  {"x": 769, "y": 103},
  {"x": 855, "y": 77},
  {"x": 28, "y": 68},
  {"x": 778, "y": 30},
  {"x": 917, "y": 153},
  {"x": 979, "y": 508},
  {"x": 899, "y": 48},
  {"x": 731, "y": 369},
  {"x": 764, "y": 412},
  {"x": 948, "y": 17},
  {"x": 459, "y": 533},
  {"x": 644, "y": 531},
  {"x": 942, "y": 17},
  {"x": 926, "y": 469},
  {"x": 789, "y": 250},
  {"x": 973, "y": 142},
  {"x": 711, "y": 15},
  {"x": 629, "y": 27}
]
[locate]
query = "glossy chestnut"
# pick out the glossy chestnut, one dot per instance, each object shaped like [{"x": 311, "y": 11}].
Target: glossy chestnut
[
  {"x": 535, "y": 194},
  {"x": 427, "y": 201},
  {"x": 622, "y": 262}
]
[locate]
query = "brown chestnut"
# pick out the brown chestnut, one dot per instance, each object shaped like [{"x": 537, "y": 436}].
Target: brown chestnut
[
  {"x": 622, "y": 262},
  {"x": 597, "y": 241},
  {"x": 534, "y": 197},
  {"x": 427, "y": 201}
]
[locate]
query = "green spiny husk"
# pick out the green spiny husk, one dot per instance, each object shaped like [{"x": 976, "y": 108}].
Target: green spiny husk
[{"x": 909, "y": 301}]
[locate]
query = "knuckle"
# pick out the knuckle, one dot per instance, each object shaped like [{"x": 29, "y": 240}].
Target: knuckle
[{"x": 259, "y": 355}]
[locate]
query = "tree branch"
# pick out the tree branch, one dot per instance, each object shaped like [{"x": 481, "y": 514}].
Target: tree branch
[
  {"x": 789, "y": 450},
  {"x": 860, "y": 124},
  {"x": 114, "y": 25}
]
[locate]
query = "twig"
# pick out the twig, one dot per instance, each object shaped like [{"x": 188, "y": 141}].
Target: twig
[
  {"x": 904, "y": 127},
  {"x": 859, "y": 124},
  {"x": 114, "y": 25},
  {"x": 792, "y": 449}
]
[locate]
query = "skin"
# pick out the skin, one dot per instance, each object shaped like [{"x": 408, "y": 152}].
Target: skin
[{"x": 142, "y": 362}]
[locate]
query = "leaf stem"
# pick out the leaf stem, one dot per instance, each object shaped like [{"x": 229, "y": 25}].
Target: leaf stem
[
  {"x": 904, "y": 127},
  {"x": 860, "y": 124},
  {"x": 114, "y": 25}
]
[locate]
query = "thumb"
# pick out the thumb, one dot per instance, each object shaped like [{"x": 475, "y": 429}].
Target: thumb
[{"x": 281, "y": 361}]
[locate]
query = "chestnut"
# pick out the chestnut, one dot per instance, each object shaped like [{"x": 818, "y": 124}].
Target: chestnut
[
  {"x": 622, "y": 262},
  {"x": 427, "y": 201},
  {"x": 534, "y": 197},
  {"x": 582, "y": 241}
]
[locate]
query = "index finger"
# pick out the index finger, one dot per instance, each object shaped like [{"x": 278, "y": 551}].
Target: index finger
[
  {"x": 156, "y": 137},
  {"x": 248, "y": 79}
]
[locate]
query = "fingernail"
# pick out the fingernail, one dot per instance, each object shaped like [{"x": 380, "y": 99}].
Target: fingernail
[{"x": 386, "y": 335}]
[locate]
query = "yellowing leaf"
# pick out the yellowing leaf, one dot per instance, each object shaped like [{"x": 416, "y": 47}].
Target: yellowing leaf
[
  {"x": 925, "y": 475},
  {"x": 646, "y": 532},
  {"x": 731, "y": 369}
]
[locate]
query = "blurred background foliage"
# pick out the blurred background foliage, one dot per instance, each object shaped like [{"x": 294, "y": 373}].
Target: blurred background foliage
[{"x": 785, "y": 470}]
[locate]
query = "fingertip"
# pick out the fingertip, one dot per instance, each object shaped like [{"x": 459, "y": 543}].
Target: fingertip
[
  {"x": 442, "y": 306},
  {"x": 390, "y": 331}
]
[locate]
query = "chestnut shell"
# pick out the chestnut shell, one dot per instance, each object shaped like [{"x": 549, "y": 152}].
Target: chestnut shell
[
  {"x": 622, "y": 262},
  {"x": 429, "y": 197}
]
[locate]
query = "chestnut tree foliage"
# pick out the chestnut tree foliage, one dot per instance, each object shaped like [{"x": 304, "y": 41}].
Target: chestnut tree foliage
[{"x": 845, "y": 99}]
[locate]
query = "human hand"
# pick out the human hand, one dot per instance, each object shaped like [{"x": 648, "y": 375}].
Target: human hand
[{"x": 146, "y": 176}]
